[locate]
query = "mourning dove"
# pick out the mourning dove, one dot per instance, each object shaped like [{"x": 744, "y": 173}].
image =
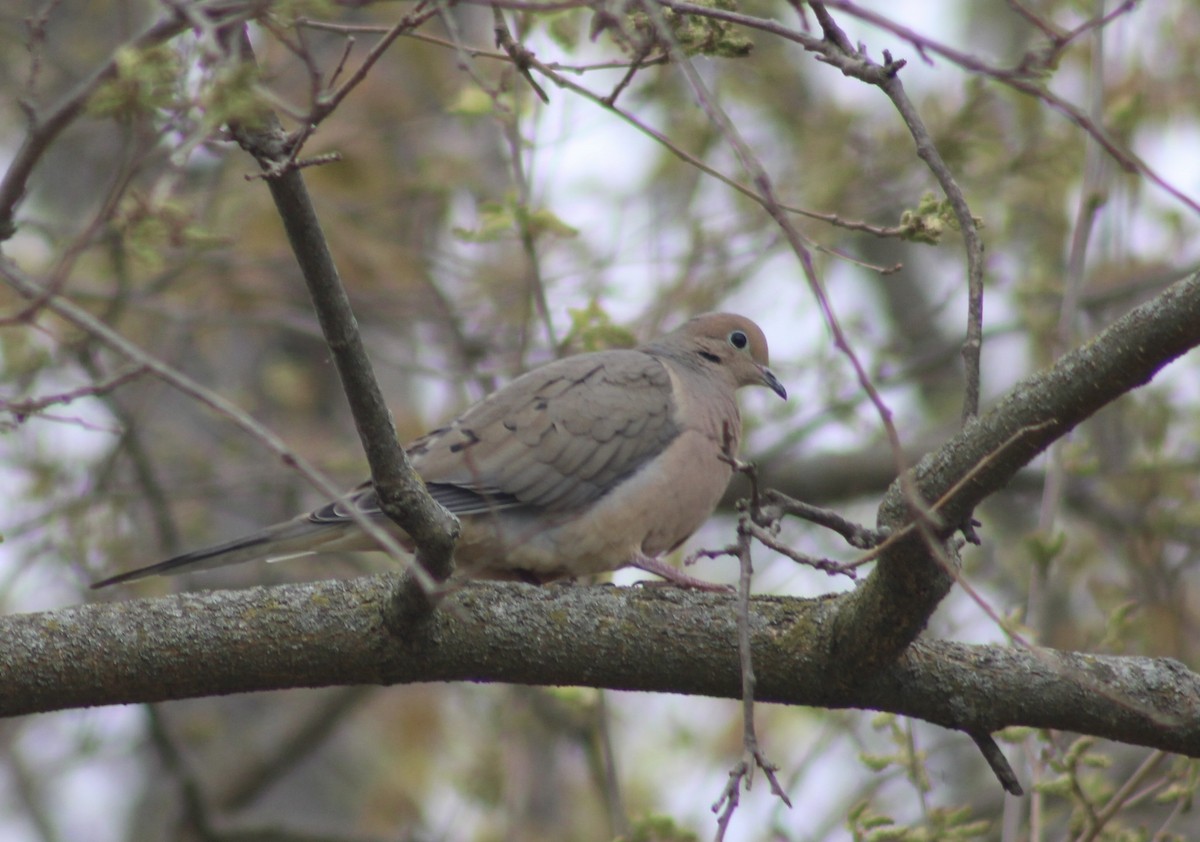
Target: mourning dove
[{"x": 581, "y": 466}]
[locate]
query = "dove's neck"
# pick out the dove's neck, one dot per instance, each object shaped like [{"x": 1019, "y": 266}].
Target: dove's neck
[
  {"x": 703, "y": 395},
  {"x": 703, "y": 370}
]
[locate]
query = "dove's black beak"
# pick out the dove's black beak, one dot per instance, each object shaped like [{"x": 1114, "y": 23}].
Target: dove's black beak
[{"x": 772, "y": 382}]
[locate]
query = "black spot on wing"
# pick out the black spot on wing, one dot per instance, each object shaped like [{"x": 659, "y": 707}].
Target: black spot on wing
[
  {"x": 470, "y": 439},
  {"x": 579, "y": 381},
  {"x": 421, "y": 445}
]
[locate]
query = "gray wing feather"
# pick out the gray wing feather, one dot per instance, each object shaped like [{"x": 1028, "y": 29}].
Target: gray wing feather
[{"x": 558, "y": 437}]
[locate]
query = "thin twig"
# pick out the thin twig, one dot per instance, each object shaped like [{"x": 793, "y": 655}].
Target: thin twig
[
  {"x": 997, "y": 762},
  {"x": 1048, "y": 29},
  {"x": 552, "y": 72},
  {"x": 889, "y": 82},
  {"x": 833, "y": 568},
  {"x": 88, "y": 323},
  {"x": 23, "y": 409},
  {"x": 519, "y": 54},
  {"x": 1123, "y": 795},
  {"x": 1097, "y": 22},
  {"x": 480, "y": 52},
  {"x": 776, "y": 504},
  {"x": 753, "y": 756},
  {"x": 1020, "y": 79},
  {"x": 44, "y": 128}
]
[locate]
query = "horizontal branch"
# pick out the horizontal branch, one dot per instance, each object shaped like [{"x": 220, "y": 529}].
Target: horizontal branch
[{"x": 653, "y": 639}]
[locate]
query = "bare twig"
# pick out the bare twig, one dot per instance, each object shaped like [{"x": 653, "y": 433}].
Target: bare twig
[
  {"x": 327, "y": 105},
  {"x": 889, "y": 82},
  {"x": 945, "y": 500},
  {"x": 23, "y": 409},
  {"x": 639, "y": 61},
  {"x": 553, "y": 72},
  {"x": 776, "y": 504},
  {"x": 479, "y": 52},
  {"x": 88, "y": 323},
  {"x": 833, "y": 568},
  {"x": 1047, "y": 28},
  {"x": 1096, "y": 22},
  {"x": 1020, "y": 79},
  {"x": 997, "y": 762},
  {"x": 753, "y": 756},
  {"x": 44, "y": 128},
  {"x": 519, "y": 54}
]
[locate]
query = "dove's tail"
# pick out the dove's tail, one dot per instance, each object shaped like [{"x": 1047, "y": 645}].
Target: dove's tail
[{"x": 299, "y": 537}]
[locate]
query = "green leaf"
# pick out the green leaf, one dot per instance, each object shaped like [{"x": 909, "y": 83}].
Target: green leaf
[
  {"x": 543, "y": 221},
  {"x": 657, "y": 829},
  {"x": 471, "y": 101},
  {"x": 231, "y": 96},
  {"x": 592, "y": 329},
  {"x": 145, "y": 80},
  {"x": 496, "y": 222}
]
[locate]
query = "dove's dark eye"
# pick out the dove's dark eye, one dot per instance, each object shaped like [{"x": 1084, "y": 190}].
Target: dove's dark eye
[{"x": 738, "y": 339}]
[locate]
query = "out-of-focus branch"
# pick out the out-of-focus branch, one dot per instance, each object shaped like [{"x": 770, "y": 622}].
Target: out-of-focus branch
[
  {"x": 80, "y": 318},
  {"x": 889, "y": 82},
  {"x": 45, "y": 127},
  {"x": 1028, "y": 80}
]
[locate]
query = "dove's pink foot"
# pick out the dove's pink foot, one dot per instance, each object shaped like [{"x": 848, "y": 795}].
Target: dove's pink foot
[{"x": 675, "y": 576}]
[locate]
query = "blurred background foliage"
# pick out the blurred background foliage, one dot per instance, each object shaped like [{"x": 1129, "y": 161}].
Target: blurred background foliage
[{"x": 481, "y": 231}]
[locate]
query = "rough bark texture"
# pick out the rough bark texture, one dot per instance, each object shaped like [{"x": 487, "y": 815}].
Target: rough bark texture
[
  {"x": 891, "y": 608},
  {"x": 655, "y": 639}
]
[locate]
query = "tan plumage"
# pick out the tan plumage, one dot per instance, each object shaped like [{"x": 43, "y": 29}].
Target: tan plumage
[{"x": 584, "y": 465}]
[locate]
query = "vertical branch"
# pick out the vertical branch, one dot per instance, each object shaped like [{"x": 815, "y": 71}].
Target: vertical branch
[
  {"x": 891, "y": 85},
  {"x": 1090, "y": 200},
  {"x": 512, "y": 134},
  {"x": 402, "y": 495},
  {"x": 752, "y": 754}
]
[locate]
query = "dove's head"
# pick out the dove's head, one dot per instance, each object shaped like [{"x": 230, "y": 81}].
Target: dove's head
[{"x": 733, "y": 345}]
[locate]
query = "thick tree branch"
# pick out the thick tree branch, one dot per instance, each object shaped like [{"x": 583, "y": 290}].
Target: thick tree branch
[
  {"x": 883, "y": 616},
  {"x": 660, "y": 639}
]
